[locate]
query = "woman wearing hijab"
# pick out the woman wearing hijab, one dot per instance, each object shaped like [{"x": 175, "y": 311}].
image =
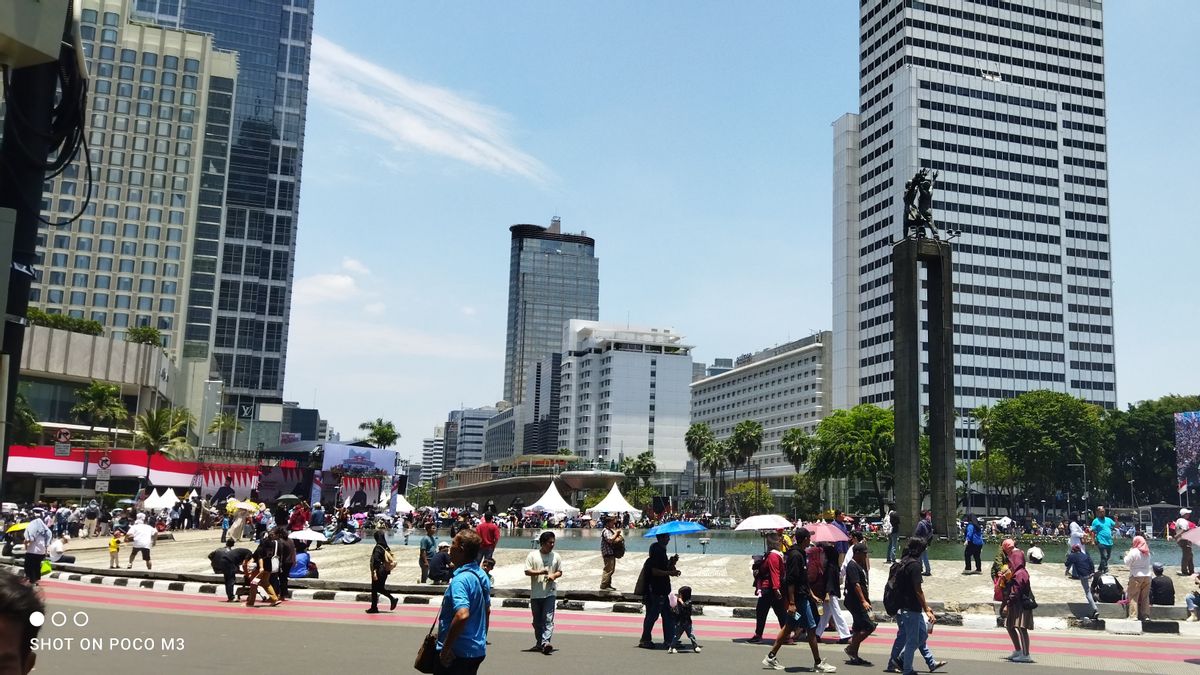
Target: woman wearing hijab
[
  {"x": 1018, "y": 620},
  {"x": 1138, "y": 588},
  {"x": 381, "y": 567}
]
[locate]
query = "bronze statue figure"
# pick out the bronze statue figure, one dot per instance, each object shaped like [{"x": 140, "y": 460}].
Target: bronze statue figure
[{"x": 918, "y": 204}]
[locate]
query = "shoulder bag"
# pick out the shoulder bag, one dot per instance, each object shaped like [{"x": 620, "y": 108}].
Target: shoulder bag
[{"x": 427, "y": 654}]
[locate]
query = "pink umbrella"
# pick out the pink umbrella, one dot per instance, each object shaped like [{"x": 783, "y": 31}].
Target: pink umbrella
[
  {"x": 1192, "y": 535},
  {"x": 826, "y": 532}
]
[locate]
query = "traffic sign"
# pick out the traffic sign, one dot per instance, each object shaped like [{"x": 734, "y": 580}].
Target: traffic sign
[
  {"x": 101, "y": 486},
  {"x": 62, "y": 436},
  {"x": 62, "y": 449},
  {"x": 105, "y": 463},
  {"x": 103, "y": 474}
]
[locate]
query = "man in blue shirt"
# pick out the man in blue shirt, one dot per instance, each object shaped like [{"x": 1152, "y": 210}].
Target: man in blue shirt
[
  {"x": 466, "y": 606},
  {"x": 1102, "y": 527}
]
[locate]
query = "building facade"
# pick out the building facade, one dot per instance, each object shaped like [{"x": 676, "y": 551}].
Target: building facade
[
  {"x": 432, "y": 451},
  {"x": 552, "y": 278},
  {"x": 624, "y": 391},
  {"x": 781, "y": 388},
  {"x": 246, "y": 333},
  {"x": 468, "y": 447},
  {"x": 500, "y": 434},
  {"x": 1006, "y": 101}
]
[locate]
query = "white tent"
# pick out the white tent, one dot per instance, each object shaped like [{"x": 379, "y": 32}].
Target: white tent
[
  {"x": 402, "y": 505},
  {"x": 168, "y": 498},
  {"x": 615, "y": 503},
  {"x": 154, "y": 501},
  {"x": 552, "y": 502}
]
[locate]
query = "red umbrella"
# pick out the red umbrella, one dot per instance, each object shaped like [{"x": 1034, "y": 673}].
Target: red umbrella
[{"x": 822, "y": 532}]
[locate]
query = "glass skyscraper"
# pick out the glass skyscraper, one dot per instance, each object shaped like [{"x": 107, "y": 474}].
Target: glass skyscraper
[
  {"x": 552, "y": 278},
  {"x": 248, "y": 329},
  {"x": 1006, "y": 100}
]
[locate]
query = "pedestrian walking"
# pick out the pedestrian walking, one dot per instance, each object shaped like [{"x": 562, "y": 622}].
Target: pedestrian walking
[
  {"x": 143, "y": 537},
  {"x": 382, "y": 564},
  {"x": 1080, "y": 566},
  {"x": 1018, "y": 608},
  {"x": 90, "y": 515},
  {"x": 656, "y": 587},
  {"x": 831, "y": 591},
  {"x": 1102, "y": 530},
  {"x": 287, "y": 557},
  {"x": 428, "y": 546},
  {"x": 801, "y": 607},
  {"x": 466, "y": 605},
  {"x": 489, "y": 534},
  {"x": 543, "y": 567},
  {"x": 37, "y": 542},
  {"x": 858, "y": 601},
  {"x": 612, "y": 546},
  {"x": 1137, "y": 559},
  {"x": 973, "y": 545},
  {"x": 681, "y": 608},
  {"x": 1187, "y": 565},
  {"x": 266, "y": 560},
  {"x": 924, "y": 532},
  {"x": 768, "y": 580},
  {"x": 914, "y": 618},
  {"x": 1162, "y": 589},
  {"x": 891, "y": 526}
]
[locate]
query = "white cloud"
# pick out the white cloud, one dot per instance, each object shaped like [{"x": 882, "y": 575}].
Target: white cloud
[
  {"x": 412, "y": 115},
  {"x": 355, "y": 266},
  {"x": 325, "y": 288},
  {"x": 469, "y": 311}
]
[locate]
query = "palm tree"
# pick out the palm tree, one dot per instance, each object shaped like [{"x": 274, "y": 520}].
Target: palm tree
[
  {"x": 380, "y": 433},
  {"x": 159, "y": 432},
  {"x": 796, "y": 446},
  {"x": 713, "y": 458},
  {"x": 222, "y": 425},
  {"x": 696, "y": 439},
  {"x": 744, "y": 443},
  {"x": 98, "y": 403},
  {"x": 26, "y": 430}
]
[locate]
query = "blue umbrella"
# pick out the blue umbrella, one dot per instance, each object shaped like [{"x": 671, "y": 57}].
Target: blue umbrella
[{"x": 674, "y": 527}]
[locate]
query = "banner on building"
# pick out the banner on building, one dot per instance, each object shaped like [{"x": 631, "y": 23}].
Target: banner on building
[
  {"x": 351, "y": 459},
  {"x": 1187, "y": 449}
]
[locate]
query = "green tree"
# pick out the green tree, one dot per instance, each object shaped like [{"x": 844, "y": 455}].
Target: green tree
[
  {"x": 857, "y": 443},
  {"x": 641, "y": 497},
  {"x": 161, "y": 431},
  {"x": 697, "y": 438},
  {"x": 419, "y": 495},
  {"x": 713, "y": 458},
  {"x": 380, "y": 433},
  {"x": 100, "y": 403},
  {"x": 565, "y": 452},
  {"x": 639, "y": 469},
  {"x": 1041, "y": 433},
  {"x": 25, "y": 430},
  {"x": 754, "y": 496},
  {"x": 592, "y": 498},
  {"x": 1142, "y": 448},
  {"x": 37, "y": 317},
  {"x": 224, "y": 425},
  {"x": 144, "y": 335},
  {"x": 797, "y": 446},
  {"x": 745, "y": 441},
  {"x": 806, "y": 496}
]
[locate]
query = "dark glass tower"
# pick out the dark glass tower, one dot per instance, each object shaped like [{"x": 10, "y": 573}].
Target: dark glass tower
[
  {"x": 552, "y": 278},
  {"x": 248, "y": 330}
]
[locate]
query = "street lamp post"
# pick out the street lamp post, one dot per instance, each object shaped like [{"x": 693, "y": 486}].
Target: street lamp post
[
  {"x": 969, "y": 420},
  {"x": 1043, "y": 514},
  {"x": 1085, "y": 486},
  {"x": 1132, "y": 498}
]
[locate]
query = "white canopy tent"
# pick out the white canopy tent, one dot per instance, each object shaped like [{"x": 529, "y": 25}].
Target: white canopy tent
[
  {"x": 154, "y": 501},
  {"x": 401, "y": 505},
  {"x": 615, "y": 503},
  {"x": 552, "y": 502}
]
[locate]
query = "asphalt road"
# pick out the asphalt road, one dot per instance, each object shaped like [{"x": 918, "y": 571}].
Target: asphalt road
[{"x": 133, "y": 631}]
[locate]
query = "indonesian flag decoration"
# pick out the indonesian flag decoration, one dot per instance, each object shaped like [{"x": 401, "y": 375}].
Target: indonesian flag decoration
[{"x": 1183, "y": 486}]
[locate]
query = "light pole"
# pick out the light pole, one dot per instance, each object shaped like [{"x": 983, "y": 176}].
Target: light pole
[
  {"x": 1085, "y": 488},
  {"x": 1132, "y": 498},
  {"x": 969, "y": 420},
  {"x": 1043, "y": 515}
]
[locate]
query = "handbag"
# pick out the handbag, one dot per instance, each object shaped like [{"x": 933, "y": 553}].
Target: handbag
[
  {"x": 639, "y": 588},
  {"x": 1027, "y": 600},
  {"x": 428, "y": 656}
]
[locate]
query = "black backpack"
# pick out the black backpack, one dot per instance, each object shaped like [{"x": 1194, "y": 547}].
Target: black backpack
[{"x": 893, "y": 597}]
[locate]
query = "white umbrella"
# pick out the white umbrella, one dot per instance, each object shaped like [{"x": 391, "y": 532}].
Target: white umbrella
[
  {"x": 767, "y": 521},
  {"x": 308, "y": 535}
]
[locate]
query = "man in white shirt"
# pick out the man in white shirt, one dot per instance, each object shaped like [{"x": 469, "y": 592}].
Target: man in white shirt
[
  {"x": 1076, "y": 534},
  {"x": 543, "y": 567},
  {"x": 1186, "y": 565},
  {"x": 57, "y": 550},
  {"x": 142, "y": 536}
]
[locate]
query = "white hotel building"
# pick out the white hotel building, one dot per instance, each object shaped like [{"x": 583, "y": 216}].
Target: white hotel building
[
  {"x": 1005, "y": 99},
  {"x": 625, "y": 391}
]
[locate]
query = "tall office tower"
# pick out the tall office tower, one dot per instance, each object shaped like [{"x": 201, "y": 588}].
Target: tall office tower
[
  {"x": 432, "y": 451},
  {"x": 1005, "y": 99},
  {"x": 158, "y": 137},
  {"x": 248, "y": 330},
  {"x": 541, "y": 405},
  {"x": 450, "y": 444},
  {"x": 468, "y": 447},
  {"x": 552, "y": 278},
  {"x": 625, "y": 390}
]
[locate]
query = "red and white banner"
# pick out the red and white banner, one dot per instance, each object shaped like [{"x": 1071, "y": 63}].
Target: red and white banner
[{"x": 369, "y": 488}]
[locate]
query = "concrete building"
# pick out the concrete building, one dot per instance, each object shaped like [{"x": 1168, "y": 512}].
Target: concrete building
[
  {"x": 552, "y": 278},
  {"x": 625, "y": 391},
  {"x": 468, "y": 448},
  {"x": 303, "y": 421},
  {"x": 1006, "y": 101},
  {"x": 501, "y": 434},
  {"x": 432, "y": 450},
  {"x": 450, "y": 445}
]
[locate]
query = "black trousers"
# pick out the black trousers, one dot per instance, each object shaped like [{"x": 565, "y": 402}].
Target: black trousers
[
  {"x": 972, "y": 551},
  {"x": 279, "y": 581},
  {"x": 461, "y": 667},
  {"x": 33, "y": 567},
  {"x": 767, "y": 602},
  {"x": 230, "y": 579},
  {"x": 378, "y": 589}
]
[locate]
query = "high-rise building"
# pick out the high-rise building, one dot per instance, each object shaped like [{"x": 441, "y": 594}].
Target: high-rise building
[
  {"x": 468, "y": 448},
  {"x": 146, "y": 245},
  {"x": 1005, "y": 100},
  {"x": 432, "y": 450},
  {"x": 247, "y": 331},
  {"x": 625, "y": 390},
  {"x": 552, "y": 278}
]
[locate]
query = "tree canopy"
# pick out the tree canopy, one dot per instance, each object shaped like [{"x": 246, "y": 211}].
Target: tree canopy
[
  {"x": 381, "y": 433},
  {"x": 1142, "y": 448},
  {"x": 857, "y": 443},
  {"x": 753, "y": 496},
  {"x": 145, "y": 335},
  {"x": 37, "y": 317},
  {"x": 100, "y": 403}
]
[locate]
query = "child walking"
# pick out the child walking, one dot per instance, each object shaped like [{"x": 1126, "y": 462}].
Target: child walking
[
  {"x": 681, "y": 607},
  {"x": 114, "y": 550}
]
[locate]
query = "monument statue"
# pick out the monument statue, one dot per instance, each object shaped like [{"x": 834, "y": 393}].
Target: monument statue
[{"x": 918, "y": 204}]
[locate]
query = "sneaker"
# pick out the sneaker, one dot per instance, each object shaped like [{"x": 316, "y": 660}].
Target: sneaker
[
  {"x": 372, "y": 611},
  {"x": 843, "y": 641},
  {"x": 1191, "y": 617},
  {"x": 1015, "y": 654},
  {"x": 1023, "y": 658},
  {"x": 772, "y": 663},
  {"x": 672, "y": 650},
  {"x": 894, "y": 666},
  {"x": 547, "y": 649},
  {"x": 645, "y": 645},
  {"x": 824, "y": 667},
  {"x": 934, "y": 668},
  {"x": 754, "y": 639},
  {"x": 697, "y": 648},
  {"x": 395, "y": 601}
]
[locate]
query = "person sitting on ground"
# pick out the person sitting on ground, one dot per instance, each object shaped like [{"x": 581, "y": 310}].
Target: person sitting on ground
[
  {"x": 304, "y": 567},
  {"x": 1162, "y": 589},
  {"x": 57, "y": 550},
  {"x": 1192, "y": 600},
  {"x": 1106, "y": 588},
  {"x": 439, "y": 564}
]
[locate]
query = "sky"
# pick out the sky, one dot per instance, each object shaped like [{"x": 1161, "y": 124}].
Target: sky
[{"x": 692, "y": 140}]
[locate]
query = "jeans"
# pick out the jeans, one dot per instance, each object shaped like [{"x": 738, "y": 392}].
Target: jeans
[
  {"x": 657, "y": 605},
  {"x": 1193, "y": 602},
  {"x": 680, "y": 630},
  {"x": 1105, "y": 554},
  {"x": 972, "y": 551},
  {"x": 925, "y": 561},
  {"x": 424, "y": 568},
  {"x": 892, "y": 539},
  {"x": 1087, "y": 593},
  {"x": 912, "y": 636},
  {"x": 485, "y": 553},
  {"x": 543, "y": 618},
  {"x": 767, "y": 602}
]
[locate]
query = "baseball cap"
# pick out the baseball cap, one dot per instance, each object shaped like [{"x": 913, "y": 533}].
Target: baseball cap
[{"x": 1158, "y": 567}]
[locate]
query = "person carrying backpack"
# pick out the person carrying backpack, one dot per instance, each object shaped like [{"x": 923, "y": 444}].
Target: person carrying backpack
[
  {"x": 768, "y": 577},
  {"x": 973, "y": 541},
  {"x": 801, "y": 607},
  {"x": 904, "y": 598}
]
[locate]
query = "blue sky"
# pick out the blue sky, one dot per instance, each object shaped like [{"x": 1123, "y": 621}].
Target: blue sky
[{"x": 692, "y": 140}]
